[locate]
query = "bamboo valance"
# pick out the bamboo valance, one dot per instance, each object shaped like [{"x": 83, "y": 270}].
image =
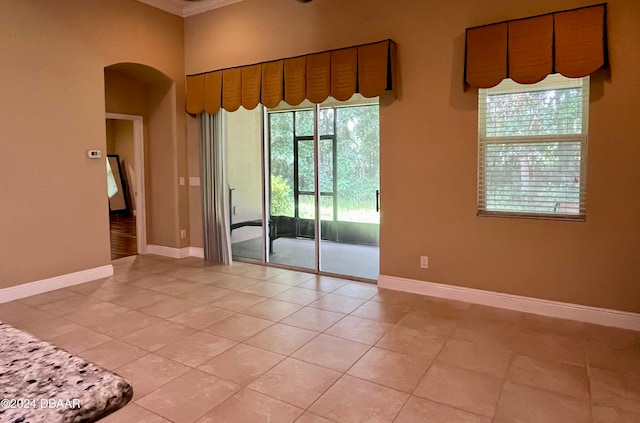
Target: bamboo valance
[
  {"x": 367, "y": 69},
  {"x": 571, "y": 42}
]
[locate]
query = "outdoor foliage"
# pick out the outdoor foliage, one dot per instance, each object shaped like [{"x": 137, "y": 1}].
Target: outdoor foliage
[
  {"x": 533, "y": 173},
  {"x": 280, "y": 197},
  {"x": 356, "y": 130},
  {"x": 548, "y": 112},
  {"x": 358, "y": 161}
]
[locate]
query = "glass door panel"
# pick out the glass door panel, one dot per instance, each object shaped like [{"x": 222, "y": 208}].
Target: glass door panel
[
  {"x": 305, "y": 165},
  {"x": 306, "y": 206},
  {"x": 326, "y": 207},
  {"x": 281, "y": 163},
  {"x": 245, "y": 183},
  {"x": 349, "y": 242},
  {"x": 291, "y": 195}
]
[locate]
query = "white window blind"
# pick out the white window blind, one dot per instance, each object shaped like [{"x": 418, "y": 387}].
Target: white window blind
[{"x": 532, "y": 148}]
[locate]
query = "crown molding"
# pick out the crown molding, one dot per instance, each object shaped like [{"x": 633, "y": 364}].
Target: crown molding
[{"x": 185, "y": 8}]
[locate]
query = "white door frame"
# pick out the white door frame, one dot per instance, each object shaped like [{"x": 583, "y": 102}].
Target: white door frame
[{"x": 138, "y": 153}]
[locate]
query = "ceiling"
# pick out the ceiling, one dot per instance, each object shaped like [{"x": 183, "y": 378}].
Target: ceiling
[{"x": 186, "y": 8}]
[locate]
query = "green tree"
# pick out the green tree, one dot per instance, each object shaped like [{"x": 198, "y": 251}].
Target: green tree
[
  {"x": 281, "y": 204},
  {"x": 533, "y": 175},
  {"x": 356, "y": 130},
  {"x": 358, "y": 160},
  {"x": 281, "y": 162}
]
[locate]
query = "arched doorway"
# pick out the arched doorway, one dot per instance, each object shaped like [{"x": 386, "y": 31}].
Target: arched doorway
[{"x": 140, "y": 122}]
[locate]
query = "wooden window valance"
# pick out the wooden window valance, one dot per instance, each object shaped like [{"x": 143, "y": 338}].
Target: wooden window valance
[
  {"x": 571, "y": 42},
  {"x": 367, "y": 69}
]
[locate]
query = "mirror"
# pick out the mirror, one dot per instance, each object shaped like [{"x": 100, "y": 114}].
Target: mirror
[{"x": 115, "y": 187}]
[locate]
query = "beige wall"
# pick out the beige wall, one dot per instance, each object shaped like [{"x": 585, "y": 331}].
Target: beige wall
[
  {"x": 429, "y": 143},
  {"x": 53, "y": 218},
  {"x": 53, "y": 110}
]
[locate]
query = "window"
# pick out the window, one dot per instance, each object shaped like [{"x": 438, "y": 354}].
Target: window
[{"x": 532, "y": 148}]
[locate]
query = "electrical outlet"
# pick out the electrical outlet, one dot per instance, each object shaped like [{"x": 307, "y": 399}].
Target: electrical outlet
[
  {"x": 183, "y": 233},
  {"x": 424, "y": 262}
]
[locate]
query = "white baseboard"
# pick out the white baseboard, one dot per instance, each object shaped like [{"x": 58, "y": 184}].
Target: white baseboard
[
  {"x": 161, "y": 250},
  {"x": 57, "y": 282},
  {"x": 176, "y": 253},
  {"x": 599, "y": 316},
  {"x": 196, "y": 252}
]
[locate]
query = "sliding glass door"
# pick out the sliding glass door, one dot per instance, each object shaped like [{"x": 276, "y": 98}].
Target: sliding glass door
[
  {"x": 303, "y": 184},
  {"x": 351, "y": 225},
  {"x": 324, "y": 161}
]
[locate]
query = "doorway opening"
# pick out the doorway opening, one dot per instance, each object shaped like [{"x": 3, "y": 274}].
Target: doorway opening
[{"x": 125, "y": 182}]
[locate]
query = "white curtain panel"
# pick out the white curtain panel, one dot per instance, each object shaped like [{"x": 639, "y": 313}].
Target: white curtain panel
[{"x": 215, "y": 189}]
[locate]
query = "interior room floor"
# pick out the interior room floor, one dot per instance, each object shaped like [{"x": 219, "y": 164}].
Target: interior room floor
[
  {"x": 123, "y": 236},
  {"x": 362, "y": 261},
  {"x": 245, "y": 343}
]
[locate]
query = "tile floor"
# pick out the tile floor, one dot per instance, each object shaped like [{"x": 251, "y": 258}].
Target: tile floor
[{"x": 245, "y": 343}]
